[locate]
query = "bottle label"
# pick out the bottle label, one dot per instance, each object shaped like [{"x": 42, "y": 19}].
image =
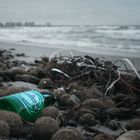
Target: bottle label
[{"x": 32, "y": 100}]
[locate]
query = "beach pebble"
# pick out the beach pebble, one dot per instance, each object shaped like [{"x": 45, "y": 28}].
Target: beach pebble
[
  {"x": 109, "y": 103},
  {"x": 72, "y": 86},
  {"x": 37, "y": 72},
  {"x": 13, "y": 120},
  {"x": 81, "y": 93},
  {"x": 130, "y": 135},
  {"x": 44, "y": 128},
  {"x": 125, "y": 113},
  {"x": 20, "y": 54},
  {"x": 64, "y": 100},
  {"x": 113, "y": 112},
  {"x": 113, "y": 124},
  {"x": 67, "y": 134},
  {"x": 21, "y": 84},
  {"x": 94, "y": 103},
  {"x": 51, "y": 111},
  {"x": 12, "y": 90},
  {"x": 103, "y": 136},
  {"x": 11, "y": 73},
  {"x": 46, "y": 83},
  {"x": 27, "y": 78},
  {"x": 87, "y": 119},
  {"x": 59, "y": 92},
  {"x": 82, "y": 111},
  {"x": 3, "y": 66},
  {"x": 119, "y": 97},
  {"x": 84, "y": 93},
  {"x": 133, "y": 125},
  {"x": 4, "y": 130}
]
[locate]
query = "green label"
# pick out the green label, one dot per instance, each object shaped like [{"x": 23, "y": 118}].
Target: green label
[{"x": 32, "y": 100}]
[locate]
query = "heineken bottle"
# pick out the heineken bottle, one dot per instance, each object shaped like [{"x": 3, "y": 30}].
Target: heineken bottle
[{"x": 28, "y": 105}]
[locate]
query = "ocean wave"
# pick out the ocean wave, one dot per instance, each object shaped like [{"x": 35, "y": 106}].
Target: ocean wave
[{"x": 80, "y": 37}]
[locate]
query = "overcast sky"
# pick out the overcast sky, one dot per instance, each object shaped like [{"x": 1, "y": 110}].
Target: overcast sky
[{"x": 71, "y": 11}]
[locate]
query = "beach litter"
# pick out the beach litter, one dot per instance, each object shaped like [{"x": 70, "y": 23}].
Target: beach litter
[{"x": 96, "y": 99}]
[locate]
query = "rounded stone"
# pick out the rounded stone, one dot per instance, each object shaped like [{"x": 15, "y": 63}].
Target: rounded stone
[
  {"x": 27, "y": 78},
  {"x": 59, "y": 92},
  {"x": 113, "y": 124},
  {"x": 68, "y": 134},
  {"x": 133, "y": 125},
  {"x": 12, "y": 90},
  {"x": 87, "y": 119},
  {"x": 109, "y": 103},
  {"x": 94, "y": 103},
  {"x": 103, "y": 136},
  {"x": 64, "y": 99},
  {"x": 130, "y": 135},
  {"x": 51, "y": 111},
  {"x": 44, "y": 128},
  {"x": 46, "y": 83},
  {"x": 4, "y": 130},
  {"x": 113, "y": 112},
  {"x": 13, "y": 120}
]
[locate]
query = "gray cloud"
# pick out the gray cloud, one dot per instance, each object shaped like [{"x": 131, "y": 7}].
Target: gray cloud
[{"x": 72, "y": 11}]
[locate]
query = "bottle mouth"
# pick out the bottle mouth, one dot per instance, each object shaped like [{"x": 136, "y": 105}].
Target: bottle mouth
[{"x": 50, "y": 98}]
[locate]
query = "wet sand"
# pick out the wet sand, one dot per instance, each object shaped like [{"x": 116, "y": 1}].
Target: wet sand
[{"x": 35, "y": 51}]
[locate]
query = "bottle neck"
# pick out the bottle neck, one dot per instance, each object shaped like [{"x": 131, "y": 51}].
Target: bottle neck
[{"x": 49, "y": 99}]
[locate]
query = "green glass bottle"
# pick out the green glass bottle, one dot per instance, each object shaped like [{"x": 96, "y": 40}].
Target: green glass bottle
[{"x": 28, "y": 105}]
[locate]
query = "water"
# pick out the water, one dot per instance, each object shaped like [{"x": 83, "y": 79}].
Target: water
[{"x": 83, "y": 38}]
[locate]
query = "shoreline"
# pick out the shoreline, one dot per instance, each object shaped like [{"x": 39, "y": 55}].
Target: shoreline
[{"x": 36, "y": 51}]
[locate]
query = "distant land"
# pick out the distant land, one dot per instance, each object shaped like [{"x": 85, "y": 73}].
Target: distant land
[{"x": 18, "y": 24}]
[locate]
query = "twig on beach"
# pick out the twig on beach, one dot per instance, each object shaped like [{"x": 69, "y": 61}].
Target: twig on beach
[
  {"x": 123, "y": 64},
  {"x": 113, "y": 83},
  {"x": 132, "y": 66}
]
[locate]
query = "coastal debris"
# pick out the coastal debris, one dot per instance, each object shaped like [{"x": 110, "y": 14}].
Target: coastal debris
[
  {"x": 58, "y": 74},
  {"x": 132, "y": 66},
  {"x": 96, "y": 98}
]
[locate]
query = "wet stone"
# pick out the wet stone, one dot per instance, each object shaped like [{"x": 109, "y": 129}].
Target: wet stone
[
  {"x": 82, "y": 111},
  {"x": 51, "y": 111},
  {"x": 27, "y": 78},
  {"x": 94, "y": 103},
  {"x": 109, "y": 103},
  {"x": 133, "y": 125},
  {"x": 64, "y": 99},
  {"x": 46, "y": 83},
  {"x": 113, "y": 124},
  {"x": 103, "y": 136},
  {"x": 87, "y": 119},
  {"x": 113, "y": 112},
  {"x": 44, "y": 128},
  {"x": 130, "y": 135},
  {"x": 38, "y": 72},
  {"x": 4, "y": 130},
  {"x": 12, "y": 90},
  {"x": 68, "y": 134},
  {"x": 59, "y": 92},
  {"x": 13, "y": 120}
]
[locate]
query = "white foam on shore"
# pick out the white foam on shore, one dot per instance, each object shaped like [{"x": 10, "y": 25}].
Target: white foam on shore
[
  {"x": 30, "y": 49},
  {"x": 83, "y": 38}
]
